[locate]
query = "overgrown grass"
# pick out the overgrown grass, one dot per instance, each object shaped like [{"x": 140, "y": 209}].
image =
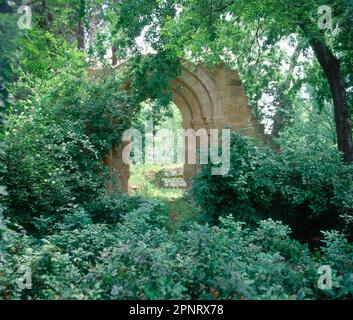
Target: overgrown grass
[{"x": 181, "y": 208}]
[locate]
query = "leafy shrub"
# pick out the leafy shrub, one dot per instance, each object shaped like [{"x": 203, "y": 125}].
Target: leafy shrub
[
  {"x": 57, "y": 137},
  {"x": 51, "y": 167},
  {"x": 232, "y": 262},
  {"x": 338, "y": 254},
  {"x": 78, "y": 219},
  {"x": 293, "y": 186},
  {"x": 66, "y": 265},
  {"x": 139, "y": 259},
  {"x": 110, "y": 209},
  {"x": 242, "y": 191}
]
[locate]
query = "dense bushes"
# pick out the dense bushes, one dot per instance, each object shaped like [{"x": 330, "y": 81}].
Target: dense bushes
[
  {"x": 85, "y": 245},
  {"x": 50, "y": 167},
  {"x": 57, "y": 137},
  {"x": 139, "y": 259},
  {"x": 110, "y": 209},
  {"x": 304, "y": 185}
]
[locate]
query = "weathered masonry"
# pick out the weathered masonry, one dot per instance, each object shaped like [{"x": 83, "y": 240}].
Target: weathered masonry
[{"x": 207, "y": 99}]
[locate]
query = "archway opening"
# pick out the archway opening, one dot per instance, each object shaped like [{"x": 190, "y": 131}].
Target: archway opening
[
  {"x": 161, "y": 169},
  {"x": 207, "y": 99}
]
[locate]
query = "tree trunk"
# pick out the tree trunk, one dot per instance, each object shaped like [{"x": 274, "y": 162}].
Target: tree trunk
[
  {"x": 331, "y": 66},
  {"x": 81, "y": 27},
  {"x": 114, "y": 48},
  {"x": 114, "y": 56}
]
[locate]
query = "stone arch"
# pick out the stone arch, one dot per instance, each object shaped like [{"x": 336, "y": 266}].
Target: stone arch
[{"x": 210, "y": 99}]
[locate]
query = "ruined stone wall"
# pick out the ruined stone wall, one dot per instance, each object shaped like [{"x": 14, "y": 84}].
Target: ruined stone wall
[{"x": 210, "y": 99}]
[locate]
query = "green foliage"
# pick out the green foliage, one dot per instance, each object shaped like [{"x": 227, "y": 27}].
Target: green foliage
[
  {"x": 255, "y": 37},
  {"x": 57, "y": 137},
  {"x": 236, "y": 192},
  {"x": 139, "y": 259},
  {"x": 8, "y": 36},
  {"x": 51, "y": 165},
  {"x": 305, "y": 185},
  {"x": 67, "y": 265},
  {"x": 232, "y": 262},
  {"x": 338, "y": 253},
  {"x": 151, "y": 79},
  {"x": 37, "y": 58},
  {"x": 110, "y": 210}
]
